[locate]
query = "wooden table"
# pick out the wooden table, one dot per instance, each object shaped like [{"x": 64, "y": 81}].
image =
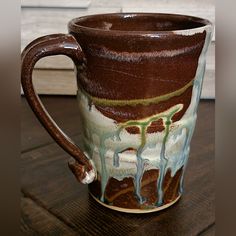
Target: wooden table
[{"x": 54, "y": 203}]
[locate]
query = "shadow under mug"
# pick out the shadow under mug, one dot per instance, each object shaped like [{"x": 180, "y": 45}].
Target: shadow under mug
[{"x": 139, "y": 81}]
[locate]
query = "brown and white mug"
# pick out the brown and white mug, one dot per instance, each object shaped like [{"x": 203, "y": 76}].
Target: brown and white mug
[{"x": 139, "y": 79}]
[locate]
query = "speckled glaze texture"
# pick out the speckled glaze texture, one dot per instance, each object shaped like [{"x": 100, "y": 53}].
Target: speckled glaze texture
[
  {"x": 139, "y": 83},
  {"x": 138, "y": 95}
]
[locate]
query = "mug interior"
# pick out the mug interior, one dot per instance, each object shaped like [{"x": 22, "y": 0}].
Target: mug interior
[{"x": 133, "y": 22}]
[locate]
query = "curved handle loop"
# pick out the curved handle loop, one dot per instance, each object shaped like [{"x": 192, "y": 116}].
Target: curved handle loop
[{"x": 49, "y": 45}]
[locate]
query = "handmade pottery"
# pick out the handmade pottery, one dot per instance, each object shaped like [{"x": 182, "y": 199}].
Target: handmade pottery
[{"x": 139, "y": 82}]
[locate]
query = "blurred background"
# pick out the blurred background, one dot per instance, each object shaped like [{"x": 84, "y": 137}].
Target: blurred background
[{"x": 54, "y": 75}]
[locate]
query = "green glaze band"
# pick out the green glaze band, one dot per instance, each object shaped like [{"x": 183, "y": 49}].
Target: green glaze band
[{"x": 134, "y": 102}]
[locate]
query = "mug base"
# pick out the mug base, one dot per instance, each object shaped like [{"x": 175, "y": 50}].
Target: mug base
[{"x": 136, "y": 211}]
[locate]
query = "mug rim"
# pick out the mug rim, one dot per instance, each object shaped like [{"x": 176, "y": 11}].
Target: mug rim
[{"x": 73, "y": 25}]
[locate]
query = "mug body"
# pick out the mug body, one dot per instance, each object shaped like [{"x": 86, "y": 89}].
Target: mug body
[{"x": 138, "y": 90}]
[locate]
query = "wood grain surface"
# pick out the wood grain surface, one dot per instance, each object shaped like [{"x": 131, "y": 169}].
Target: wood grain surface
[
  {"x": 62, "y": 109},
  {"x": 54, "y": 203}
]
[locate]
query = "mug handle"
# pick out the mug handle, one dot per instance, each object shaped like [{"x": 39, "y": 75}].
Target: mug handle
[{"x": 55, "y": 44}]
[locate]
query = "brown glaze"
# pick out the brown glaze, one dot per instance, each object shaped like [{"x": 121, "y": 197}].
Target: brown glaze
[
  {"x": 132, "y": 65},
  {"x": 122, "y": 193},
  {"x": 127, "y": 23}
]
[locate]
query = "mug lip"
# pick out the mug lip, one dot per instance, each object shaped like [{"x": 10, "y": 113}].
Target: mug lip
[{"x": 73, "y": 25}]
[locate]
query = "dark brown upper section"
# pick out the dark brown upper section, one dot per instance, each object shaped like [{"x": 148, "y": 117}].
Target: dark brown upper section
[{"x": 137, "y": 56}]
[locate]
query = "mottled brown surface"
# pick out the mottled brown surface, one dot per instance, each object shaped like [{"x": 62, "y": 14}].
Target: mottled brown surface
[
  {"x": 171, "y": 186},
  {"x": 122, "y": 193},
  {"x": 128, "y": 66},
  {"x": 54, "y": 203}
]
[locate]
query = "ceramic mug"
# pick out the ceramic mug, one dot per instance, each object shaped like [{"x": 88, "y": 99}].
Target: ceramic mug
[{"x": 139, "y": 82}]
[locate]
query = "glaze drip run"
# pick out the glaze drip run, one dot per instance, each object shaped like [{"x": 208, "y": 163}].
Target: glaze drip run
[
  {"x": 109, "y": 137},
  {"x": 113, "y": 138},
  {"x": 143, "y": 125}
]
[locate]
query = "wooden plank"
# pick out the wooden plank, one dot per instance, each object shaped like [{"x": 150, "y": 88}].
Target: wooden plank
[
  {"x": 37, "y": 221},
  {"x": 71, "y": 3},
  {"x": 55, "y": 62},
  {"x": 56, "y": 3},
  {"x": 55, "y": 82},
  {"x": 210, "y": 57},
  {"x": 143, "y": 3},
  {"x": 106, "y": 3},
  {"x": 63, "y": 110},
  {"x": 207, "y": 13},
  {"x": 203, "y": 9},
  {"x": 208, "y": 87},
  {"x": 36, "y": 22},
  {"x": 211, "y": 231},
  {"x": 46, "y": 179}
]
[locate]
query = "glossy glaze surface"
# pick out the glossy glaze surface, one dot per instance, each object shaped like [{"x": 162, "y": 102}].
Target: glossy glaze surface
[{"x": 138, "y": 95}]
